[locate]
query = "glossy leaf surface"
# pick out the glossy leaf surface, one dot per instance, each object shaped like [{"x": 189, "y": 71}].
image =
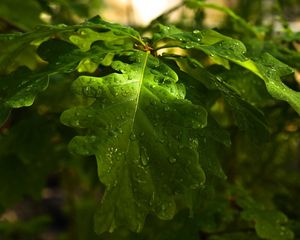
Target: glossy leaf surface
[{"x": 141, "y": 130}]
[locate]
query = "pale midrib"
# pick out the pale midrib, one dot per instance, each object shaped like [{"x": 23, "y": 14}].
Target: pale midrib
[{"x": 138, "y": 97}]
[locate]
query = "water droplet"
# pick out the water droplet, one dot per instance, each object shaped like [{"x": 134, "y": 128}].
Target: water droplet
[
  {"x": 196, "y": 124},
  {"x": 82, "y": 32},
  {"x": 113, "y": 133},
  {"x": 167, "y": 108},
  {"x": 172, "y": 160},
  {"x": 142, "y": 134},
  {"x": 108, "y": 170},
  {"x": 86, "y": 90},
  {"x": 93, "y": 138},
  {"x": 190, "y": 45},
  {"x": 145, "y": 160},
  {"x": 115, "y": 183},
  {"x": 195, "y": 186},
  {"x": 154, "y": 103},
  {"x": 120, "y": 130},
  {"x": 125, "y": 93},
  {"x": 132, "y": 136}
]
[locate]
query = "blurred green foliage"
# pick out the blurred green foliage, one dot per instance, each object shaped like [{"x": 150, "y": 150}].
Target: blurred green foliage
[{"x": 25, "y": 15}]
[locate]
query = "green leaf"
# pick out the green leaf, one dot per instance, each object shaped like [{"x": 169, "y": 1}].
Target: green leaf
[
  {"x": 269, "y": 69},
  {"x": 143, "y": 133},
  {"x": 20, "y": 88},
  {"x": 19, "y": 85},
  {"x": 268, "y": 224},
  {"x": 25, "y": 45},
  {"x": 247, "y": 117}
]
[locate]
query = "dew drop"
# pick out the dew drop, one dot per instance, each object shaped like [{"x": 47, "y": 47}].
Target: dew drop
[
  {"x": 82, "y": 32},
  {"x": 195, "y": 186},
  {"x": 172, "y": 160},
  {"x": 93, "y": 138},
  {"x": 167, "y": 108},
  {"x": 153, "y": 103},
  {"x": 115, "y": 183},
  {"x": 120, "y": 130},
  {"x": 145, "y": 160},
  {"x": 132, "y": 136}
]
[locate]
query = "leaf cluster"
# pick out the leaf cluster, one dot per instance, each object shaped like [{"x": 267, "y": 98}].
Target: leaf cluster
[{"x": 194, "y": 132}]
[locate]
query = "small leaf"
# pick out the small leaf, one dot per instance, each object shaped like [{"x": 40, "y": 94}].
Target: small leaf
[{"x": 268, "y": 224}]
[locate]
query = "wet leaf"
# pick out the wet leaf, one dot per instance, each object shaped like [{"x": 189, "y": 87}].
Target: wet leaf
[{"x": 141, "y": 130}]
